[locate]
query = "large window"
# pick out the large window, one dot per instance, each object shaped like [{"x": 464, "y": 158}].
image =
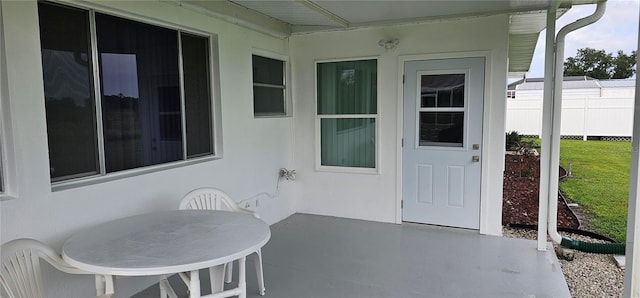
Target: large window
[
  {"x": 269, "y": 96},
  {"x": 130, "y": 95},
  {"x": 347, "y": 113}
]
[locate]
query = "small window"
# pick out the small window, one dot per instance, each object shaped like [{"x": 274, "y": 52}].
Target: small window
[
  {"x": 511, "y": 93},
  {"x": 269, "y": 97},
  {"x": 347, "y": 116}
]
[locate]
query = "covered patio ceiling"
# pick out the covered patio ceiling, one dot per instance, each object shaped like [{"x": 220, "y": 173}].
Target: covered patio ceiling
[{"x": 286, "y": 18}]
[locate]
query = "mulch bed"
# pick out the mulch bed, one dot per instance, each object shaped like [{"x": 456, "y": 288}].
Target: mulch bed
[{"x": 520, "y": 193}]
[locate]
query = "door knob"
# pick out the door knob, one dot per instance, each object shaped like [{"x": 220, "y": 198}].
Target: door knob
[{"x": 475, "y": 158}]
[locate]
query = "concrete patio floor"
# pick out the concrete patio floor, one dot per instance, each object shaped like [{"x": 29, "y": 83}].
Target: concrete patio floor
[{"x": 320, "y": 256}]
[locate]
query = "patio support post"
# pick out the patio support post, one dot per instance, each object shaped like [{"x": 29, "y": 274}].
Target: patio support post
[
  {"x": 632, "y": 261},
  {"x": 552, "y": 116},
  {"x": 554, "y": 163},
  {"x": 547, "y": 109}
]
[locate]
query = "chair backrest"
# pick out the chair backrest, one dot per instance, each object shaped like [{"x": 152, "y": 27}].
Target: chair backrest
[
  {"x": 208, "y": 199},
  {"x": 20, "y": 275}
]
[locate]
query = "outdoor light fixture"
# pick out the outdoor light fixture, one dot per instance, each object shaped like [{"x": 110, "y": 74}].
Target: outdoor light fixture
[{"x": 389, "y": 44}]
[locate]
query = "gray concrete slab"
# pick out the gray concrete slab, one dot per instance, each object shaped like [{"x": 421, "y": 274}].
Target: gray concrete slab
[{"x": 320, "y": 256}]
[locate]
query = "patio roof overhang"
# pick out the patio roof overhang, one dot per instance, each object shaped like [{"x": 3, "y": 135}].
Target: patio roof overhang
[{"x": 291, "y": 17}]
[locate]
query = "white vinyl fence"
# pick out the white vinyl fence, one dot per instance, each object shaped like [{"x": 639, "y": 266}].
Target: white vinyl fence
[{"x": 582, "y": 117}]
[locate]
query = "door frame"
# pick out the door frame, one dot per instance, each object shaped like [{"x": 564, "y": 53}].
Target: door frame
[{"x": 487, "y": 226}]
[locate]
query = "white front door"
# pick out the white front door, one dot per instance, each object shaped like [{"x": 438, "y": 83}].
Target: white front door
[{"x": 441, "y": 165}]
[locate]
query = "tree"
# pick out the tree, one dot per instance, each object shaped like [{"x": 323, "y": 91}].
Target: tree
[
  {"x": 599, "y": 64},
  {"x": 624, "y": 65}
]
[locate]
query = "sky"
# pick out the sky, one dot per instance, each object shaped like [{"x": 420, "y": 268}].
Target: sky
[{"x": 616, "y": 30}]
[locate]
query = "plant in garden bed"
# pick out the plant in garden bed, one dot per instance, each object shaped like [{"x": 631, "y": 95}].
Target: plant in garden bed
[{"x": 518, "y": 144}]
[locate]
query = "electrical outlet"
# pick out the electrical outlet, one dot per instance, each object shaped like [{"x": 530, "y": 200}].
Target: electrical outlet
[{"x": 287, "y": 174}]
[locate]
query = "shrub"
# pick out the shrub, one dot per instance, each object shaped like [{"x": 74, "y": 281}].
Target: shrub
[{"x": 513, "y": 140}]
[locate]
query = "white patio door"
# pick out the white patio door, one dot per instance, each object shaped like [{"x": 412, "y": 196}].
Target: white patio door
[{"x": 441, "y": 166}]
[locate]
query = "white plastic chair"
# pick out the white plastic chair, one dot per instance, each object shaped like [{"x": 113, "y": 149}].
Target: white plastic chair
[
  {"x": 20, "y": 275},
  {"x": 214, "y": 199}
]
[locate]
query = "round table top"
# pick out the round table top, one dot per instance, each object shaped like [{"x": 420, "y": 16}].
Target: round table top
[{"x": 166, "y": 242}]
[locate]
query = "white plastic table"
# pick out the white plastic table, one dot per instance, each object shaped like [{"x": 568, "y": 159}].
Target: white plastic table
[{"x": 164, "y": 243}]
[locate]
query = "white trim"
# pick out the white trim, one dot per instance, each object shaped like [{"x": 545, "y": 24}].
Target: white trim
[
  {"x": 348, "y": 170},
  {"x": 269, "y": 54},
  {"x": 183, "y": 104},
  {"x": 97, "y": 179},
  {"x": 349, "y": 116},
  {"x": 354, "y": 170},
  {"x": 304, "y": 30},
  {"x": 486, "y": 132},
  {"x": 95, "y": 7},
  {"x": 241, "y": 16},
  {"x": 632, "y": 272},
  {"x": 216, "y": 96},
  {"x": 484, "y": 195},
  {"x": 97, "y": 94},
  {"x": 334, "y": 18},
  {"x": 360, "y": 58},
  {"x": 8, "y": 168}
]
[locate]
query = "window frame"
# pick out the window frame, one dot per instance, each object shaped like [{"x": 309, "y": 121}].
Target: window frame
[
  {"x": 288, "y": 105},
  {"x": 215, "y": 98},
  {"x": 318, "y": 119},
  {"x": 3, "y": 171},
  {"x": 8, "y": 172}
]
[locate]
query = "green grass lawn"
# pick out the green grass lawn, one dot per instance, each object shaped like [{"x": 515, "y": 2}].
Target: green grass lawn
[{"x": 600, "y": 182}]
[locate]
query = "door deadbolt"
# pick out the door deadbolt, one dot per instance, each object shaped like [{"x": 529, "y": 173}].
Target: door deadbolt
[{"x": 476, "y": 146}]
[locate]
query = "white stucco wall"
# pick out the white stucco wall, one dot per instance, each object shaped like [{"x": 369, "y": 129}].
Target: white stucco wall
[
  {"x": 377, "y": 196},
  {"x": 254, "y": 149}
]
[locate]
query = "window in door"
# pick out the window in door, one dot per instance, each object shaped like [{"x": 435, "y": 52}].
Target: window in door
[{"x": 441, "y": 111}]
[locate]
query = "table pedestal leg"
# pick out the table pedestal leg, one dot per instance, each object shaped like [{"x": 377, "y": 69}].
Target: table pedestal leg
[
  {"x": 105, "y": 285},
  {"x": 166, "y": 291},
  {"x": 194, "y": 284},
  {"x": 242, "y": 280},
  {"x": 216, "y": 274},
  {"x": 100, "y": 285}
]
